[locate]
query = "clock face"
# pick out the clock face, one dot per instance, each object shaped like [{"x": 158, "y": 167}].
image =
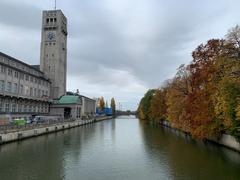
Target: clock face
[{"x": 50, "y": 36}]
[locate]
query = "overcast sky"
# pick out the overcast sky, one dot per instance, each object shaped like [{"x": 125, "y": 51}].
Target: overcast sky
[{"x": 118, "y": 48}]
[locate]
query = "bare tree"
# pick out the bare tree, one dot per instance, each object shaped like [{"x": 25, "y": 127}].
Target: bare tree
[{"x": 233, "y": 36}]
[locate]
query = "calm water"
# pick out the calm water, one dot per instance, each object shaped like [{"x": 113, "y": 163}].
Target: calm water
[{"x": 120, "y": 149}]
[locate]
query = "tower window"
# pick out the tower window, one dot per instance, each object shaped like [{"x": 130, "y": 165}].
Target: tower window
[
  {"x": 21, "y": 89},
  {"x": 55, "y": 19},
  {"x": 1, "y": 105},
  {"x": 21, "y": 76},
  {"x": 7, "y": 106},
  {"x": 9, "y": 87},
  {"x": 9, "y": 72},
  {"x": 3, "y": 69},
  {"x": 2, "y": 85},
  {"x": 16, "y": 74},
  {"x": 15, "y": 88},
  {"x": 27, "y": 78}
]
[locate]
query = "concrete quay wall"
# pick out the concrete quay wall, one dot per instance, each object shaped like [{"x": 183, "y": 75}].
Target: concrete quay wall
[
  {"x": 228, "y": 141},
  {"x": 24, "y": 134},
  {"x": 225, "y": 140}
]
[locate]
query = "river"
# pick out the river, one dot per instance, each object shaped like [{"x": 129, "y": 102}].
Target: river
[{"x": 119, "y": 149}]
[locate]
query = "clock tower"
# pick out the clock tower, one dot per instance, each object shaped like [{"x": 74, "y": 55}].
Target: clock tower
[{"x": 54, "y": 51}]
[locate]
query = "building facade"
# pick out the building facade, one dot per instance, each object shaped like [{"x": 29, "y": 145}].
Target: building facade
[
  {"x": 24, "y": 89},
  {"x": 73, "y": 106},
  {"x": 54, "y": 51},
  {"x": 88, "y": 106}
]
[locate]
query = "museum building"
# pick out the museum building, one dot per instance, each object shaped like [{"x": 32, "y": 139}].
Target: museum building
[{"x": 27, "y": 90}]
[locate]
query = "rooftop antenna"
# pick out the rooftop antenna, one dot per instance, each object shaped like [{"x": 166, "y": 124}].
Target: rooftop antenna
[{"x": 55, "y": 5}]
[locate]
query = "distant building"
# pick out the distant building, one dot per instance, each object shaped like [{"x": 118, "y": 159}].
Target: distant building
[
  {"x": 73, "y": 106},
  {"x": 106, "y": 111},
  {"x": 88, "y": 106}
]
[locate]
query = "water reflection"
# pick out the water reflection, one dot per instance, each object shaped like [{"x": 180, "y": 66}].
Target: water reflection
[
  {"x": 32, "y": 158},
  {"x": 117, "y": 149},
  {"x": 188, "y": 159}
]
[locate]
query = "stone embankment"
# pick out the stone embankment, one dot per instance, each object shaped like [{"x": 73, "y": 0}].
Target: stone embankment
[
  {"x": 37, "y": 131},
  {"x": 225, "y": 139}
]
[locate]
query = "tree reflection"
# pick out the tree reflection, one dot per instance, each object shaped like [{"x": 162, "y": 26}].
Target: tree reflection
[{"x": 188, "y": 159}]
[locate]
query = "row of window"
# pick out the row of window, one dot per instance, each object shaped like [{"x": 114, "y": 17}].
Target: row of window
[
  {"x": 51, "y": 20},
  {"x": 13, "y": 107},
  {"x": 23, "y": 76},
  {"x": 19, "y": 65},
  {"x": 22, "y": 90},
  {"x": 50, "y": 44}
]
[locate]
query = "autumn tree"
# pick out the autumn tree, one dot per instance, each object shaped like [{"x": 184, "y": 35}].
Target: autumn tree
[
  {"x": 113, "y": 105},
  {"x": 233, "y": 36},
  {"x": 204, "y": 97},
  {"x": 101, "y": 103},
  {"x": 200, "y": 105},
  {"x": 177, "y": 91},
  {"x": 227, "y": 96},
  {"x": 228, "y": 101}
]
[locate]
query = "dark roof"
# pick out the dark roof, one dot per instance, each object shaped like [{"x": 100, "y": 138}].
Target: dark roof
[
  {"x": 21, "y": 62},
  {"x": 37, "y": 67}
]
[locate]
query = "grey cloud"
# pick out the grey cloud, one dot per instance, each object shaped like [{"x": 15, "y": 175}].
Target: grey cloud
[
  {"x": 98, "y": 43},
  {"x": 20, "y": 15},
  {"x": 146, "y": 40}
]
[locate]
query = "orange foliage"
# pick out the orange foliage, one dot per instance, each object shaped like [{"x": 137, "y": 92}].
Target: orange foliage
[{"x": 204, "y": 97}]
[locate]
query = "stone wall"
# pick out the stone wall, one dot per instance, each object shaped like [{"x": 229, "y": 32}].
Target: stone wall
[
  {"x": 228, "y": 141},
  {"x": 225, "y": 140}
]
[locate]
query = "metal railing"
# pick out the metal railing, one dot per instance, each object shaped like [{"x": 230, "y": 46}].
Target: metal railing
[{"x": 15, "y": 128}]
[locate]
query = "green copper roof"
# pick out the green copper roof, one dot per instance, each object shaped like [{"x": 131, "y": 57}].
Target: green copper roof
[{"x": 69, "y": 99}]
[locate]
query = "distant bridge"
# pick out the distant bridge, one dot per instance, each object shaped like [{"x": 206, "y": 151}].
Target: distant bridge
[{"x": 119, "y": 113}]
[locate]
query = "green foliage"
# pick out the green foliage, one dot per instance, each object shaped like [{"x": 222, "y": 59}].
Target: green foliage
[
  {"x": 144, "y": 106},
  {"x": 157, "y": 110}
]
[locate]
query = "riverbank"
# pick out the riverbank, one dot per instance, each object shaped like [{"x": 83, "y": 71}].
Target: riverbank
[
  {"x": 29, "y": 133},
  {"x": 225, "y": 140}
]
